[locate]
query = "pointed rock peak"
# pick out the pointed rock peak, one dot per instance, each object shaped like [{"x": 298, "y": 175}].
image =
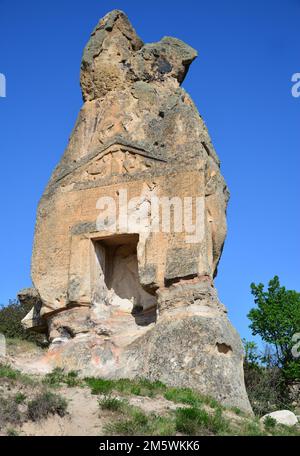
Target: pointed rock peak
[
  {"x": 111, "y": 43},
  {"x": 115, "y": 58},
  {"x": 118, "y": 18}
]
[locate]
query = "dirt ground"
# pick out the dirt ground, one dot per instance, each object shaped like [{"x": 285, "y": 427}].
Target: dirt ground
[{"x": 84, "y": 416}]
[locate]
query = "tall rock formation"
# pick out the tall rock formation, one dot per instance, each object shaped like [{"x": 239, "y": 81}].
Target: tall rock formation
[{"x": 132, "y": 296}]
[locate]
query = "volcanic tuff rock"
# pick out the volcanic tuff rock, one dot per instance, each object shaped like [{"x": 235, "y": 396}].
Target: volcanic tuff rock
[{"x": 120, "y": 301}]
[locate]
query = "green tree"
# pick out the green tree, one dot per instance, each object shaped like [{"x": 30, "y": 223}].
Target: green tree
[
  {"x": 10, "y": 322},
  {"x": 252, "y": 358},
  {"x": 276, "y": 319}
]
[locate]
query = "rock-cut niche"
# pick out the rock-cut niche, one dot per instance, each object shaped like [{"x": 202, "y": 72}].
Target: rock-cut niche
[{"x": 117, "y": 274}]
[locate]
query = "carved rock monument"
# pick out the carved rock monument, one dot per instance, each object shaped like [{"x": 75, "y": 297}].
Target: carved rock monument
[{"x": 125, "y": 297}]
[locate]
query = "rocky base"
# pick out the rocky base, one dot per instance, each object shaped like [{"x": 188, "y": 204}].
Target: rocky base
[
  {"x": 203, "y": 353},
  {"x": 191, "y": 345}
]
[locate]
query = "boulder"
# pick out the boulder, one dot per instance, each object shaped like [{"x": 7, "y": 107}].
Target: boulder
[{"x": 282, "y": 417}]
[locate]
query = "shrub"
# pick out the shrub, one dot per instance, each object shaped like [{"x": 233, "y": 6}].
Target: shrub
[
  {"x": 136, "y": 422},
  {"x": 9, "y": 413},
  {"x": 269, "y": 422},
  {"x": 139, "y": 387},
  {"x": 111, "y": 403},
  {"x": 12, "y": 432},
  {"x": 58, "y": 376},
  {"x": 237, "y": 411},
  {"x": 71, "y": 379},
  {"x": 251, "y": 428},
  {"x": 10, "y": 322},
  {"x": 20, "y": 398},
  {"x": 99, "y": 385},
  {"x": 46, "y": 404},
  {"x": 8, "y": 372},
  {"x": 188, "y": 420},
  {"x": 195, "y": 421},
  {"x": 188, "y": 396},
  {"x": 266, "y": 388},
  {"x": 183, "y": 395}
]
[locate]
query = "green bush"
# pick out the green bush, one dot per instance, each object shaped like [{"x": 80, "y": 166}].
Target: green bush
[
  {"x": 189, "y": 396},
  {"x": 135, "y": 422},
  {"x": 196, "y": 421},
  {"x": 58, "y": 376},
  {"x": 99, "y": 385},
  {"x": 6, "y": 371},
  {"x": 20, "y": 398},
  {"x": 9, "y": 373},
  {"x": 269, "y": 422},
  {"x": 111, "y": 403},
  {"x": 138, "y": 387},
  {"x": 10, "y": 322},
  {"x": 46, "y": 404}
]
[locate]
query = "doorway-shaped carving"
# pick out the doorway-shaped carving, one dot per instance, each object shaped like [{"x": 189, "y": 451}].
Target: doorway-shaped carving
[{"x": 117, "y": 257}]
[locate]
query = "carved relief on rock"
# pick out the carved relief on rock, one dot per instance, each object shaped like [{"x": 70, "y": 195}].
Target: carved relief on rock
[{"x": 119, "y": 160}]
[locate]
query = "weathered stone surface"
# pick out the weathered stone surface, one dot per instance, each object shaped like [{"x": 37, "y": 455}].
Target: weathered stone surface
[
  {"x": 31, "y": 297},
  {"x": 120, "y": 300},
  {"x": 195, "y": 350},
  {"x": 285, "y": 417}
]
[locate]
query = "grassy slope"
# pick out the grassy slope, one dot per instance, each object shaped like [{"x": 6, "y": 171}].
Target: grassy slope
[{"x": 33, "y": 398}]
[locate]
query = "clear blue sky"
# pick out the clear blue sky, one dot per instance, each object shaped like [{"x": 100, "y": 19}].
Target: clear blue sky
[{"x": 241, "y": 83}]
